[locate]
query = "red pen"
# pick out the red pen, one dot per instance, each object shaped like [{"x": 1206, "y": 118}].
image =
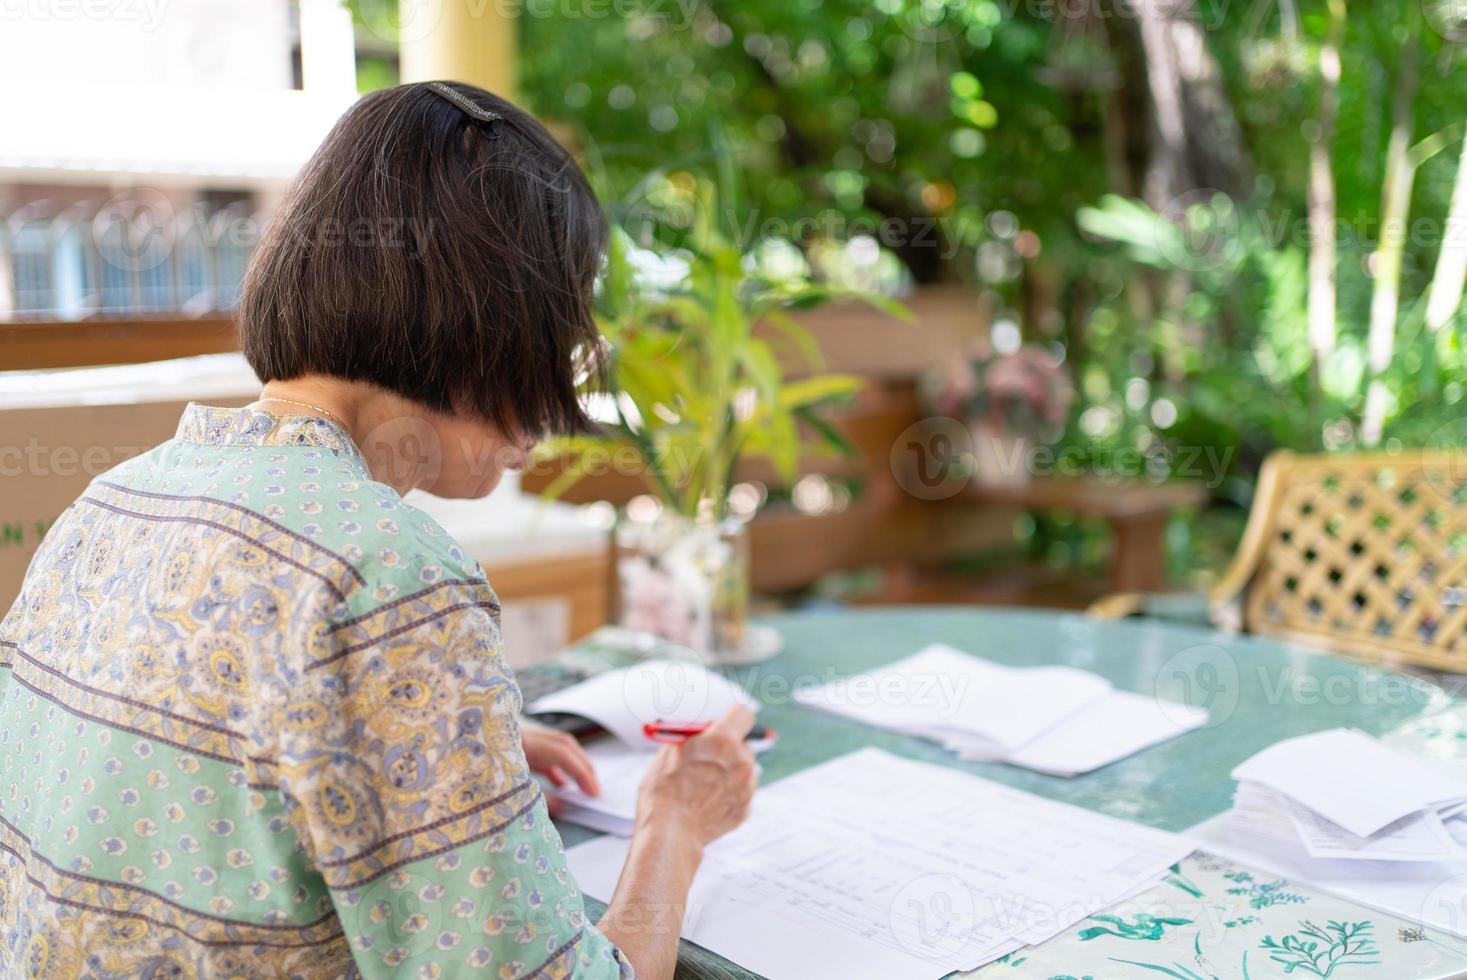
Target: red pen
[{"x": 676, "y": 733}]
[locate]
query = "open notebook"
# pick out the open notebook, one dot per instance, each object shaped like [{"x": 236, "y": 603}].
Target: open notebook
[
  {"x": 1053, "y": 719},
  {"x": 622, "y": 701}
]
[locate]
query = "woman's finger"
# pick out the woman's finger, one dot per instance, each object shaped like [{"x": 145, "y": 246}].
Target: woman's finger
[
  {"x": 572, "y": 759},
  {"x": 737, "y": 722},
  {"x": 579, "y": 765}
]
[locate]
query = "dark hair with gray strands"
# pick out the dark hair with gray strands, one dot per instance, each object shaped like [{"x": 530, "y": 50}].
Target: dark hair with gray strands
[{"x": 440, "y": 256}]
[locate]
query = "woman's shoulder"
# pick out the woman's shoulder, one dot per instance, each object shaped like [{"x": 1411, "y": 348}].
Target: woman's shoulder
[
  {"x": 317, "y": 509},
  {"x": 400, "y": 551}
]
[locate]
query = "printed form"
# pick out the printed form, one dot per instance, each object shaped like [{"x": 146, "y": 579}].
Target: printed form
[{"x": 874, "y": 866}]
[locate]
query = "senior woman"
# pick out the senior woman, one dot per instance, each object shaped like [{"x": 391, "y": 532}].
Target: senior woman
[{"x": 254, "y": 717}]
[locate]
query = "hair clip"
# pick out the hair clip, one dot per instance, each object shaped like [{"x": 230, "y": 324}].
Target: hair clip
[{"x": 469, "y": 106}]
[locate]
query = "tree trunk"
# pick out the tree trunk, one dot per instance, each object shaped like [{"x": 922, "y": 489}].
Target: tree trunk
[
  {"x": 1451, "y": 263},
  {"x": 1198, "y": 144},
  {"x": 1197, "y": 147},
  {"x": 1322, "y": 207},
  {"x": 1385, "y": 299},
  {"x": 1289, "y": 19}
]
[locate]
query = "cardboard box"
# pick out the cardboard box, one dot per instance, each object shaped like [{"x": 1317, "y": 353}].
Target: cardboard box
[{"x": 61, "y": 429}]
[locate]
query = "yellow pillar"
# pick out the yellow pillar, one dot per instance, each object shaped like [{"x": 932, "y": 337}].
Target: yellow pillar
[{"x": 470, "y": 41}]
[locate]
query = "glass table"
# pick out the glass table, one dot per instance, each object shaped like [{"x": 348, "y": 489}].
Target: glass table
[{"x": 1210, "y": 918}]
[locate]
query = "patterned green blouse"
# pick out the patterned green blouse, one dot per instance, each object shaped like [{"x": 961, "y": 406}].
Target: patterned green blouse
[{"x": 254, "y": 721}]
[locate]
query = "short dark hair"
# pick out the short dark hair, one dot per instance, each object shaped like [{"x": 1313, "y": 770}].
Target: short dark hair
[{"x": 446, "y": 259}]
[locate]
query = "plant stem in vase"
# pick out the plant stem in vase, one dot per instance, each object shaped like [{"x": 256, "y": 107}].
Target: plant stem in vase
[
  {"x": 692, "y": 379},
  {"x": 685, "y": 580}
]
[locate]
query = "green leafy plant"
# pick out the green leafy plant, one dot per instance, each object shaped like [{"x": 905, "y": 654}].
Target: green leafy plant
[
  {"x": 693, "y": 387},
  {"x": 1319, "y": 951}
]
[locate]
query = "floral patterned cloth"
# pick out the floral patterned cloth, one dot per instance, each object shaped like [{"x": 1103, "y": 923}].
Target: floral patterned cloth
[
  {"x": 1212, "y": 919},
  {"x": 254, "y": 721}
]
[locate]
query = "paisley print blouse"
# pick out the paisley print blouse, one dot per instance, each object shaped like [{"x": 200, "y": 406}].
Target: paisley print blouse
[{"x": 254, "y": 722}]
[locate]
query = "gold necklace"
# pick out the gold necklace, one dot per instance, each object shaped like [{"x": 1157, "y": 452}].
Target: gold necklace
[{"x": 315, "y": 408}]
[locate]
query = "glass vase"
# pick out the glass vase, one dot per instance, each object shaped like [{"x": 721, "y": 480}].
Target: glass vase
[{"x": 686, "y": 581}]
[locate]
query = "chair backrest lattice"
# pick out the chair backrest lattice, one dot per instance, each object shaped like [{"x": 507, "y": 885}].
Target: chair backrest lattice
[{"x": 1364, "y": 554}]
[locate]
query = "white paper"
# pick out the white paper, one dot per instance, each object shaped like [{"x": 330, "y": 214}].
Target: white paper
[
  {"x": 941, "y": 692},
  {"x": 622, "y": 701},
  {"x": 875, "y": 866},
  {"x": 1350, "y": 779},
  {"x": 1431, "y": 893},
  {"x": 1105, "y": 731},
  {"x": 1280, "y": 821},
  {"x": 593, "y": 819},
  {"x": 1261, "y": 813},
  {"x": 619, "y": 771},
  {"x": 1419, "y": 837},
  {"x": 1056, "y": 720}
]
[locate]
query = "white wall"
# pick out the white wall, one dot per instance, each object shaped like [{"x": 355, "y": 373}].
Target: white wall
[
  {"x": 142, "y": 90},
  {"x": 222, "y": 44}
]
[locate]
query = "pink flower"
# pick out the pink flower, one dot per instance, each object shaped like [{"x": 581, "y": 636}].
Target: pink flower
[{"x": 1022, "y": 391}]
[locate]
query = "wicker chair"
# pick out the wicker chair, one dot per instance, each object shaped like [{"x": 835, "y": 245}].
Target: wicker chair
[{"x": 1363, "y": 554}]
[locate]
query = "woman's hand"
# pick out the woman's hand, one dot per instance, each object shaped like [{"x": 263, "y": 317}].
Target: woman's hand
[
  {"x": 702, "y": 787},
  {"x": 559, "y": 758},
  {"x": 693, "y": 794}
]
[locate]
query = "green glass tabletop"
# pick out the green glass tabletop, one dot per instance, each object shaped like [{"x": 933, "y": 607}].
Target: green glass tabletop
[{"x": 1257, "y": 692}]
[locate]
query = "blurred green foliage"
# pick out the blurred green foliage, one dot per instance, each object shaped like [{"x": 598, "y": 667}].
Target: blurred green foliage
[
  {"x": 987, "y": 117},
  {"x": 975, "y": 138}
]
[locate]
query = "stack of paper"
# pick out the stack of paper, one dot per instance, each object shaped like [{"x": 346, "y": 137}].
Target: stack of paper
[
  {"x": 1342, "y": 812},
  {"x": 619, "y": 771},
  {"x": 874, "y": 866},
  {"x": 622, "y": 701},
  {"x": 1058, "y": 720},
  {"x": 1341, "y": 795}
]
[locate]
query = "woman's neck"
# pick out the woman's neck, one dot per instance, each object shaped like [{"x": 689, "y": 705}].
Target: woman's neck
[{"x": 359, "y": 409}]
